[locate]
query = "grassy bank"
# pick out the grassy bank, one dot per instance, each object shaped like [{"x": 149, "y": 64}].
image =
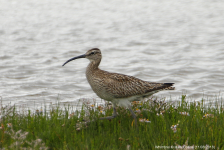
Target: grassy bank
[{"x": 161, "y": 126}]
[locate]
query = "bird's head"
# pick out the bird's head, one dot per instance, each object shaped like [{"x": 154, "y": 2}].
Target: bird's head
[{"x": 93, "y": 54}]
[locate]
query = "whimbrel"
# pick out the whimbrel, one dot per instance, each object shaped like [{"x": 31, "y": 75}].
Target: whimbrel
[{"x": 120, "y": 89}]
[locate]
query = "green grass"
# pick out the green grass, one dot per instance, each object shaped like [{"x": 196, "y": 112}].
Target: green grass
[{"x": 197, "y": 125}]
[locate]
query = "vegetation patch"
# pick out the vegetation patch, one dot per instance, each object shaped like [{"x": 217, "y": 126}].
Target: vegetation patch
[{"x": 161, "y": 125}]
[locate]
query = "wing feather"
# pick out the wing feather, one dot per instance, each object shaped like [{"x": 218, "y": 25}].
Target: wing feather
[{"x": 121, "y": 86}]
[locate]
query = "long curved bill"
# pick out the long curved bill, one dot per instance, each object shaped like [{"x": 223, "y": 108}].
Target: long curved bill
[{"x": 77, "y": 57}]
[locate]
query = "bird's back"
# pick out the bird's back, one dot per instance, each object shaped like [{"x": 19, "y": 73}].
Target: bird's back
[{"x": 111, "y": 86}]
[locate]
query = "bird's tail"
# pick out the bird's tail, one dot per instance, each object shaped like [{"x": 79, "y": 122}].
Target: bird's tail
[{"x": 169, "y": 86}]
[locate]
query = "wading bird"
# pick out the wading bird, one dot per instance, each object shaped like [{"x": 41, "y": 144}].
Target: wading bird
[{"x": 120, "y": 89}]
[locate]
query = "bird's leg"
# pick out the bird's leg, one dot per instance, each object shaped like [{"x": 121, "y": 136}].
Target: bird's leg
[
  {"x": 133, "y": 115},
  {"x": 111, "y": 117}
]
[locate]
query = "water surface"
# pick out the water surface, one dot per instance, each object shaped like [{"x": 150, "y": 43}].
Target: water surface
[{"x": 157, "y": 40}]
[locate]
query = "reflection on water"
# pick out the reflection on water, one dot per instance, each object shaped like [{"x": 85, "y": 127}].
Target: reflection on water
[{"x": 161, "y": 41}]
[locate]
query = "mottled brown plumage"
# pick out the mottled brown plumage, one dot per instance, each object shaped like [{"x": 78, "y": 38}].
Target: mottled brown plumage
[{"x": 118, "y": 88}]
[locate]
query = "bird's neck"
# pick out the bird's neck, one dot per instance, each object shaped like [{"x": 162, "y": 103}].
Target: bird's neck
[{"x": 93, "y": 66}]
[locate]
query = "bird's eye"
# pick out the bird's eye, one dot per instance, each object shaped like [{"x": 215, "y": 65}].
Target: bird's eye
[{"x": 92, "y": 53}]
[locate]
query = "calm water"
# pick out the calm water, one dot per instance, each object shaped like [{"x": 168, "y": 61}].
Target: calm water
[{"x": 180, "y": 41}]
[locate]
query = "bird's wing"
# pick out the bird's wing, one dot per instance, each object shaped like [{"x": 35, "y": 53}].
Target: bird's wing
[{"x": 121, "y": 86}]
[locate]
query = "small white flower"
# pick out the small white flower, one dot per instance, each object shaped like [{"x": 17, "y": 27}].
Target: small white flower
[
  {"x": 184, "y": 113},
  {"x": 9, "y": 125},
  {"x": 174, "y": 128},
  {"x": 144, "y": 120}
]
